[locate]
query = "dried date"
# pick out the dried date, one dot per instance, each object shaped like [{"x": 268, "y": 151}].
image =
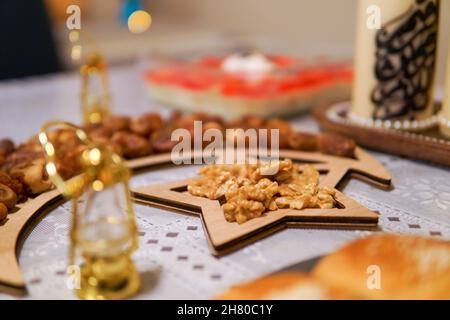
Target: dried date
[
  {"x": 7, "y": 197},
  {"x": 336, "y": 145},
  {"x": 3, "y": 212},
  {"x": 132, "y": 145}
]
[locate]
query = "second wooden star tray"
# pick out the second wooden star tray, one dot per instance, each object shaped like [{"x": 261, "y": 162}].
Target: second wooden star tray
[{"x": 232, "y": 236}]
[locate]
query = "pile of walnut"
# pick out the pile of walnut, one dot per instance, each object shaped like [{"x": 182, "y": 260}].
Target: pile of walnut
[
  {"x": 251, "y": 190},
  {"x": 22, "y": 167}
]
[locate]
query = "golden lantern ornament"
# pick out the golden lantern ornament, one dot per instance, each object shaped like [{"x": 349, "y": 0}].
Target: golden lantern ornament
[
  {"x": 103, "y": 232},
  {"x": 95, "y": 95}
]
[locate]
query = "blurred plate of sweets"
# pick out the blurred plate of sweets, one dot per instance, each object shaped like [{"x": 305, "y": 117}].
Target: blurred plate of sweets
[{"x": 240, "y": 84}]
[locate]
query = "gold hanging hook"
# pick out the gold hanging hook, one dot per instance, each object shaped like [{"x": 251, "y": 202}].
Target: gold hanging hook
[{"x": 95, "y": 96}]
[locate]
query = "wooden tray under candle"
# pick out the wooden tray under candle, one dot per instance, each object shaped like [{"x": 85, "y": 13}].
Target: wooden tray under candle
[{"x": 429, "y": 146}]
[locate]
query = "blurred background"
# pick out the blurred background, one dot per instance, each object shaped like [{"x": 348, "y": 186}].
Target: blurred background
[{"x": 300, "y": 27}]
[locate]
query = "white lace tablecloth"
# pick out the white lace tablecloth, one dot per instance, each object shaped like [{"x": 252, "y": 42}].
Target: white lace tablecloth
[{"x": 173, "y": 256}]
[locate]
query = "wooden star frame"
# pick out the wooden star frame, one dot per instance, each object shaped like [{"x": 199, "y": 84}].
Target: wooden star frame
[
  {"x": 224, "y": 237},
  {"x": 27, "y": 215}
]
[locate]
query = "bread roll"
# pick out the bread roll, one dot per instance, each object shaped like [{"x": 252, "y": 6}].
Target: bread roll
[
  {"x": 389, "y": 267},
  {"x": 284, "y": 286}
]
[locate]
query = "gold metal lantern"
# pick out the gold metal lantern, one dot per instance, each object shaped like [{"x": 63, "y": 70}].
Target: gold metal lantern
[
  {"x": 103, "y": 233},
  {"x": 95, "y": 95}
]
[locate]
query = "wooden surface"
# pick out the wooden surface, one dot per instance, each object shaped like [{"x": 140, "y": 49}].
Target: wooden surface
[
  {"x": 224, "y": 237},
  {"x": 13, "y": 228},
  {"x": 428, "y": 146}
]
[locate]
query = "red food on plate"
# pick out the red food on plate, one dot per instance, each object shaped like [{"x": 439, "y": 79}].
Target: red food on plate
[{"x": 239, "y": 84}]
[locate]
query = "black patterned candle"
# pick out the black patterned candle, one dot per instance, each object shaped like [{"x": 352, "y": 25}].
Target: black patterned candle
[
  {"x": 395, "y": 64},
  {"x": 445, "y": 113}
]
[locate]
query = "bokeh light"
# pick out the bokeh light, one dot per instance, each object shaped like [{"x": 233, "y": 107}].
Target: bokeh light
[
  {"x": 139, "y": 21},
  {"x": 74, "y": 36},
  {"x": 76, "y": 52}
]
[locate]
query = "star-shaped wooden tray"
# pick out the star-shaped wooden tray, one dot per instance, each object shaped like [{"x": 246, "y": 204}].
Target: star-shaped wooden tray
[{"x": 225, "y": 237}]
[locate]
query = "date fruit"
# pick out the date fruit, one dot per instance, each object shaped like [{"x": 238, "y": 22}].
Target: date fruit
[
  {"x": 3, "y": 212},
  {"x": 336, "y": 145},
  {"x": 7, "y": 197}
]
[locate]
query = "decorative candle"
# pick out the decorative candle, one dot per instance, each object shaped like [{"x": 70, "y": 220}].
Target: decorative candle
[
  {"x": 395, "y": 64},
  {"x": 445, "y": 113}
]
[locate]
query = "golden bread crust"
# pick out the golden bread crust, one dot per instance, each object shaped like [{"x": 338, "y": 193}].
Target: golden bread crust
[
  {"x": 284, "y": 286},
  {"x": 409, "y": 268}
]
